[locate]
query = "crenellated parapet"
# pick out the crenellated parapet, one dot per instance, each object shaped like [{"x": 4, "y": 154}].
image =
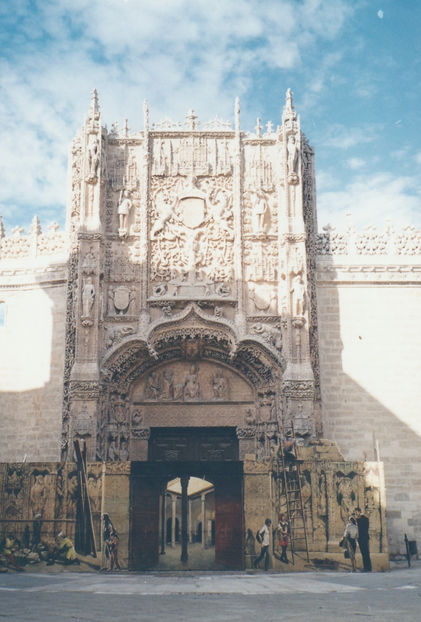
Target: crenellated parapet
[
  {"x": 52, "y": 243},
  {"x": 370, "y": 241}
]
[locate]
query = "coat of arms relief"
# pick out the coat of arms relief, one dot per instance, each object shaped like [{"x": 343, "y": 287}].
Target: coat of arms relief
[{"x": 191, "y": 237}]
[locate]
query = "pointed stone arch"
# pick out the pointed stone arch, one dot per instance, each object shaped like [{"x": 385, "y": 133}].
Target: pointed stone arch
[{"x": 188, "y": 344}]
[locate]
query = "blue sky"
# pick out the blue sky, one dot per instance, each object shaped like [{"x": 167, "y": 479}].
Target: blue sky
[{"x": 354, "y": 67}]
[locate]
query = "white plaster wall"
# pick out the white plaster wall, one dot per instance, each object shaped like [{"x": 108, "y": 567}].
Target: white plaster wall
[
  {"x": 370, "y": 359},
  {"x": 31, "y": 372}
]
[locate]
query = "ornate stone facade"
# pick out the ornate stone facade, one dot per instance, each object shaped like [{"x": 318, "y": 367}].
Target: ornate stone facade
[
  {"x": 189, "y": 249},
  {"x": 195, "y": 285}
]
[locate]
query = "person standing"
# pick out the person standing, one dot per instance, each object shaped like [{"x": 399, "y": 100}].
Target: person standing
[
  {"x": 350, "y": 537},
  {"x": 363, "y": 538},
  {"x": 111, "y": 541},
  {"x": 283, "y": 530},
  {"x": 264, "y": 533}
]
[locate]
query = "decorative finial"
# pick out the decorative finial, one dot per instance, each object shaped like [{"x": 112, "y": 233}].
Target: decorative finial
[
  {"x": 94, "y": 114},
  {"x": 2, "y": 230},
  {"x": 237, "y": 114},
  {"x": 35, "y": 226},
  {"x": 145, "y": 115},
  {"x": 258, "y": 127},
  {"x": 126, "y": 128},
  {"x": 192, "y": 122},
  {"x": 94, "y": 100},
  {"x": 288, "y": 113}
]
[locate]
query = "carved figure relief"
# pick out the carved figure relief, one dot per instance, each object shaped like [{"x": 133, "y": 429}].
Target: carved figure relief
[
  {"x": 122, "y": 263},
  {"x": 346, "y": 495},
  {"x": 259, "y": 212},
  {"x": 112, "y": 452},
  {"x": 89, "y": 262},
  {"x": 115, "y": 334},
  {"x": 298, "y": 291},
  {"x": 123, "y": 211},
  {"x": 292, "y": 160},
  {"x": 137, "y": 418},
  {"x": 118, "y": 448},
  {"x": 183, "y": 382},
  {"x": 191, "y": 385},
  {"x": 88, "y": 299},
  {"x": 261, "y": 269},
  {"x": 93, "y": 160},
  {"x": 220, "y": 386}
]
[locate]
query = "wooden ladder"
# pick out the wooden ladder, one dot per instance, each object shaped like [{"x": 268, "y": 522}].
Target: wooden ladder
[{"x": 289, "y": 474}]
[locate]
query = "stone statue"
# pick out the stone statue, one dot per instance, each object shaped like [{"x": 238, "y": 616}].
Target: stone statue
[
  {"x": 298, "y": 292},
  {"x": 38, "y": 495},
  {"x": 219, "y": 387},
  {"x": 153, "y": 386},
  {"x": 124, "y": 450},
  {"x": 113, "y": 453},
  {"x": 137, "y": 418},
  {"x": 292, "y": 155},
  {"x": 88, "y": 297},
  {"x": 260, "y": 211},
  {"x": 165, "y": 211},
  {"x": 168, "y": 384},
  {"x": 93, "y": 158},
  {"x": 123, "y": 211},
  {"x": 220, "y": 211},
  {"x": 191, "y": 384}
]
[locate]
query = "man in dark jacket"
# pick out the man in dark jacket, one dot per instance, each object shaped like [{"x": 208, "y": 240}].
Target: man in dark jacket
[{"x": 363, "y": 538}]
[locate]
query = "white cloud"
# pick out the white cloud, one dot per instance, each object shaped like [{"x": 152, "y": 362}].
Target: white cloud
[
  {"x": 343, "y": 137},
  {"x": 418, "y": 157},
  {"x": 372, "y": 199},
  {"x": 355, "y": 163},
  {"x": 177, "y": 54},
  {"x": 380, "y": 14}
]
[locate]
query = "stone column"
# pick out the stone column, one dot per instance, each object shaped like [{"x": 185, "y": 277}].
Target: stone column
[
  {"x": 204, "y": 530},
  {"x": 173, "y": 517},
  {"x": 184, "y": 535},
  {"x": 144, "y": 233},
  {"x": 163, "y": 494},
  {"x": 237, "y": 191},
  {"x": 190, "y": 528}
]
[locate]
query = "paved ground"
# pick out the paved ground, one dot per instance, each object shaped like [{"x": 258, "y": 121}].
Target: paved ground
[{"x": 393, "y": 596}]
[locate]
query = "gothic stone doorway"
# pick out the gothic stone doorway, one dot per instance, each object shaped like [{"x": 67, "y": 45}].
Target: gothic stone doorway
[{"x": 208, "y": 453}]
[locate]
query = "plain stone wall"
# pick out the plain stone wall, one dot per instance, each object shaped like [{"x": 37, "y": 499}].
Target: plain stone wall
[
  {"x": 32, "y": 343},
  {"x": 370, "y": 353}
]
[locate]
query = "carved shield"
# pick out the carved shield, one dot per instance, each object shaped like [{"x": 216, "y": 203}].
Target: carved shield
[
  {"x": 121, "y": 298},
  {"x": 192, "y": 211}
]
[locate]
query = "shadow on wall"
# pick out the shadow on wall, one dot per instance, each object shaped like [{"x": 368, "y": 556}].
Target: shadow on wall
[
  {"x": 367, "y": 360},
  {"x": 32, "y": 350}
]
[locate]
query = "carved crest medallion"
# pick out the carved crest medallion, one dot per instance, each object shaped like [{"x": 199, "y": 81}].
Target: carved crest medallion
[
  {"x": 192, "y": 211},
  {"x": 121, "y": 298}
]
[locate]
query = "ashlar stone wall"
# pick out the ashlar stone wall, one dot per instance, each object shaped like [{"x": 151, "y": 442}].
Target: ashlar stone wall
[
  {"x": 369, "y": 305},
  {"x": 32, "y": 345}
]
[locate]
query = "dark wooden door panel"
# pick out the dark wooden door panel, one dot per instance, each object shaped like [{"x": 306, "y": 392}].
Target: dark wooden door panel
[
  {"x": 144, "y": 523},
  {"x": 229, "y": 521}
]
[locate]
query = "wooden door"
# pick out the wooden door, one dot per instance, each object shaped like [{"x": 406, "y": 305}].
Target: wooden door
[
  {"x": 229, "y": 553},
  {"x": 144, "y": 521}
]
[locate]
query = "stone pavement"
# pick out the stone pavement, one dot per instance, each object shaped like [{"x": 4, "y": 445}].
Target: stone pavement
[{"x": 393, "y": 596}]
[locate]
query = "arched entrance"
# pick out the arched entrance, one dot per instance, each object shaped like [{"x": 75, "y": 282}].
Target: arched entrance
[
  {"x": 192, "y": 400},
  {"x": 208, "y": 453}
]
